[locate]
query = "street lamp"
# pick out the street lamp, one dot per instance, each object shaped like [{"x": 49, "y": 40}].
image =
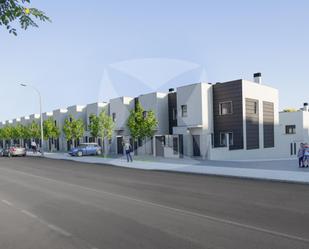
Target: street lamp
[{"x": 41, "y": 117}]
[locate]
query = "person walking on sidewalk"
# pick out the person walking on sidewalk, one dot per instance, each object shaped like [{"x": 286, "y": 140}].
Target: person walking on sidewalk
[
  {"x": 128, "y": 149},
  {"x": 34, "y": 147},
  {"x": 306, "y": 156},
  {"x": 300, "y": 155}
]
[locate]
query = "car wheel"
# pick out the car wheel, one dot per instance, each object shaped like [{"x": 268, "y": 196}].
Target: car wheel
[
  {"x": 9, "y": 154},
  {"x": 79, "y": 153},
  {"x": 99, "y": 152}
]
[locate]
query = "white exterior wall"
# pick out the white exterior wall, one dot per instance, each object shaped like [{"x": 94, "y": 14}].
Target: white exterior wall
[
  {"x": 158, "y": 103},
  {"x": 122, "y": 107},
  {"x": 199, "y": 120},
  {"x": 301, "y": 120},
  {"x": 59, "y": 116},
  {"x": 46, "y": 115},
  {"x": 96, "y": 109}
]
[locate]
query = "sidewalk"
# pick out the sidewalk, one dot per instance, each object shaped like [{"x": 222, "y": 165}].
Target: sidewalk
[{"x": 278, "y": 170}]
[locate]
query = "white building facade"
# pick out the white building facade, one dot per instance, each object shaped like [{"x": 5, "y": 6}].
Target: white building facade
[{"x": 235, "y": 120}]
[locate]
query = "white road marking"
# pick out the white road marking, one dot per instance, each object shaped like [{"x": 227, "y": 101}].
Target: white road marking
[
  {"x": 59, "y": 230},
  {"x": 184, "y": 212},
  {"x": 7, "y": 203},
  {"x": 29, "y": 213}
]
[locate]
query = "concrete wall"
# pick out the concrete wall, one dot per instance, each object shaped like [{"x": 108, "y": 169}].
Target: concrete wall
[{"x": 122, "y": 107}]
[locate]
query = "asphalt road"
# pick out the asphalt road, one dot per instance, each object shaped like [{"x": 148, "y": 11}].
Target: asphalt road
[{"x": 55, "y": 204}]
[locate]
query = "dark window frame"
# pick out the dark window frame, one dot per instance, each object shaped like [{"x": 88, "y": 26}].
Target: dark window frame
[
  {"x": 290, "y": 129},
  {"x": 114, "y": 116},
  {"x": 184, "y": 111},
  {"x": 221, "y": 108}
]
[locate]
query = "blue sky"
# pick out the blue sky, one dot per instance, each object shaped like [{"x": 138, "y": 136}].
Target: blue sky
[{"x": 76, "y": 58}]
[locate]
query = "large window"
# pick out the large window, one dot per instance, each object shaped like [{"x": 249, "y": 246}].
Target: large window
[
  {"x": 184, "y": 111},
  {"x": 114, "y": 117},
  {"x": 290, "y": 129},
  {"x": 225, "y": 108}
]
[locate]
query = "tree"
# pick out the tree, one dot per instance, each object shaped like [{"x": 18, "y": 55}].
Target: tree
[
  {"x": 7, "y": 133},
  {"x": 73, "y": 129},
  {"x": 142, "y": 124},
  {"x": 51, "y": 131},
  {"x": 17, "y": 133},
  {"x": 290, "y": 110},
  {"x": 34, "y": 130},
  {"x": 94, "y": 126},
  {"x": 18, "y": 10},
  {"x": 105, "y": 127}
]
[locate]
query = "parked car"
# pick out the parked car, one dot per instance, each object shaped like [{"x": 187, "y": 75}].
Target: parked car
[
  {"x": 1, "y": 152},
  {"x": 14, "y": 151},
  {"x": 86, "y": 149}
]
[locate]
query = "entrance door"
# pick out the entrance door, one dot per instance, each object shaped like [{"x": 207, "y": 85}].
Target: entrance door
[
  {"x": 120, "y": 145},
  {"x": 160, "y": 145},
  {"x": 196, "y": 145}
]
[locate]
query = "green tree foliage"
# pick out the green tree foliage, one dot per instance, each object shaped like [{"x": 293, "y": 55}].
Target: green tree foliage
[
  {"x": 141, "y": 124},
  {"x": 18, "y": 132},
  {"x": 19, "y": 10},
  {"x": 290, "y": 110},
  {"x": 73, "y": 129},
  {"x": 6, "y": 132},
  {"x": 51, "y": 131},
  {"x": 34, "y": 130},
  {"x": 105, "y": 127}
]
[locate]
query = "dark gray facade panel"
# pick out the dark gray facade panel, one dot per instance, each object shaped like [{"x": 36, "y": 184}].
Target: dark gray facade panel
[
  {"x": 172, "y": 105},
  {"x": 252, "y": 124},
  {"x": 223, "y": 92},
  {"x": 268, "y": 124}
]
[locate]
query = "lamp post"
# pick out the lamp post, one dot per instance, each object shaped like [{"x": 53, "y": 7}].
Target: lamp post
[{"x": 41, "y": 117}]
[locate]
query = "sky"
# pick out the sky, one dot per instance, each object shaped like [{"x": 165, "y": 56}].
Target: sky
[{"x": 97, "y": 49}]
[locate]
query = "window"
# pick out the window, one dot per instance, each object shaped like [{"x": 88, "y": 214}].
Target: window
[
  {"x": 55, "y": 123},
  {"x": 184, "y": 111},
  {"x": 290, "y": 129},
  {"x": 231, "y": 138},
  {"x": 225, "y": 108},
  {"x": 174, "y": 114},
  {"x": 144, "y": 114},
  {"x": 223, "y": 138},
  {"x": 114, "y": 116}
]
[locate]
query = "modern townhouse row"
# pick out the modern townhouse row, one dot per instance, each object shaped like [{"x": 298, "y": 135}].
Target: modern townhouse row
[{"x": 231, "y": 120}]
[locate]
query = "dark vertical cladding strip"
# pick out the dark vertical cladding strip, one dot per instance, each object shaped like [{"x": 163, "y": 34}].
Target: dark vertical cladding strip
[
  {"x": 268, "y": 124},
  {"x": 252, "y": 124},
  {"x": 172, "y": 105},
  {"x": 222, "y": 92}
]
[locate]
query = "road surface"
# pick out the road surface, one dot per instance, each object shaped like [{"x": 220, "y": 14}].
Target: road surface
[{"x": 55, "y": 204}]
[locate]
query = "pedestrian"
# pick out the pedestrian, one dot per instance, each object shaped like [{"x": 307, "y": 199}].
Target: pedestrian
[
  {"x": 34, "y": 147},
  {"x": 306, "y": 156},
  {"x": 300, "y": 155},
  {"x": 128, "y": 149}
]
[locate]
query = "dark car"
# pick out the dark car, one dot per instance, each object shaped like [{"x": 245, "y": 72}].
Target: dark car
[
  {"x": 14, "y": 151},
  {"x": 86, "y": 149}
]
